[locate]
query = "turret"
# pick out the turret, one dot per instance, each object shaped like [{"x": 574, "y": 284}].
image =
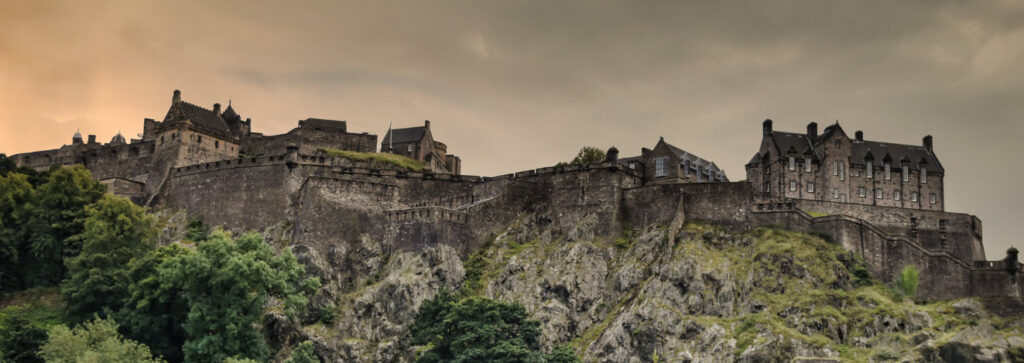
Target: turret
[
  {"x": 612, "y": 156},
  {"x": 766, "y": 126},
  {"x": 927, "y": 143},
  {"x": 812, "y": 131},
  {"x": 77, "y": 138}
]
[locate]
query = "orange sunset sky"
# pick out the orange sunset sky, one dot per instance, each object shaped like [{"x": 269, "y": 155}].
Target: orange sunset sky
[{"x": 515, "y": 85}]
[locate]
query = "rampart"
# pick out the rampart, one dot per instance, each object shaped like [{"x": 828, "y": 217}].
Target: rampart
[{"x": 333, "y": 206}]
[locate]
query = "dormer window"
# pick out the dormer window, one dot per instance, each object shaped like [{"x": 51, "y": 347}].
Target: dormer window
[
  {"x": 871, "y": 170},
  {"x": 410, "y": 147},
  {"x": 807, "y": 165},
  {"x": 792, "y": 163},
  {"x": 906, "y": 173},
  {"x": 924, "y": 174},
  {"x": 888, "y": 171}
]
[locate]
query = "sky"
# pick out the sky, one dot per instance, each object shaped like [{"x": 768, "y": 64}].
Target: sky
[{"x": 516, "y": 85}]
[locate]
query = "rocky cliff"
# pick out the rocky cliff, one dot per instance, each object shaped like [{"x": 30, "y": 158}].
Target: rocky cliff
[{"x": 683, "y": 292}]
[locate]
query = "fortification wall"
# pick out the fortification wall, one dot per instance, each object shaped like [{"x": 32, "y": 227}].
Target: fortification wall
[
  {"x": 957, "y": 233},
  {"x": 309, "y": 141}
]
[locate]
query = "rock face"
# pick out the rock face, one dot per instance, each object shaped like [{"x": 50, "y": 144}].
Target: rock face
[{"x": 698, "y": 293}]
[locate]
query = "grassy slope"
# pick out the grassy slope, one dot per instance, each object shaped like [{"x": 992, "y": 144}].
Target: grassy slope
[
  {"x": 387, "y": 158},
  {"x": 788, "y": 271}
]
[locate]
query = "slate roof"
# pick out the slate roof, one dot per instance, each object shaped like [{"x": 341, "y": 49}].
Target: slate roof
[
  {"x": 199, "y": 116},
  {"x": 687, "y": 159},
  {"x": 408, "y": 134},
  {"x": 785, "y": 141}
]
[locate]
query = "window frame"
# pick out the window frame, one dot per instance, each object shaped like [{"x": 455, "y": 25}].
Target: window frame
[{"x": 660, "y": 167}]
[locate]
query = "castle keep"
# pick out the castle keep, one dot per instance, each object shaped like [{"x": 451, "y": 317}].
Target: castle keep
[{"x": 880, "y": 200}]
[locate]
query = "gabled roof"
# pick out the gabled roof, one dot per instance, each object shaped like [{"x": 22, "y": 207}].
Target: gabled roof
[
  {"x": 199, "y": 116},
  {"x": 784, "y": 141},
  {"x": 408, "y": 134},
  {"x": 693, "y": 161},
  {"x": 897, "y": 152}
]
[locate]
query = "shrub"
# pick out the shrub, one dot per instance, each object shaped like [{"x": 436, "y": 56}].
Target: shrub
[{"x": 908, "y": 280}]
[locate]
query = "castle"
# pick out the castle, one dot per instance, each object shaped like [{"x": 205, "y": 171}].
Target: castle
[{"x": 882, "y": 201}]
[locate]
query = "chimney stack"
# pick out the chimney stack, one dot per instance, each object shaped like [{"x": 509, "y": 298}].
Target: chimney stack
[
  {"x": 1012, "y": 263},
  {"x": 92, "y": 139},
  {"x": 216, "y": 108},
  {"x": 859, "y": 135},
  {"x": 426, "y": 124},
  {"x": 812, "y": 131},
  {"x": 927, "y": 141},
  {"x": 767, "y": 127},
  {"x": 612, "y": 155},
  {"x": 177, "y": 96}
]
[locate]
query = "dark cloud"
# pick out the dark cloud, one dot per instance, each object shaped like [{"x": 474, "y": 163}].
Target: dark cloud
[{"x": 516, "y": 85}]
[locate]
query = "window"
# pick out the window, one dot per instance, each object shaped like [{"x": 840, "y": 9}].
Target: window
[
  {"x": 835, "y": 193},
  {"x": 687, "y": 167},
  {"x": 888, "y": 171},
  {"x": 835, "y": 167},
  {"x": 200, "y": 139},
  {"x": 410, "y": 147},
  {"x": 906, "y": 173},
  {"x": 924, "y": 175},
  {"x": 878, "y": 194},
  {"x": 932, "y": 198},
  {"x": 792, "y": 163},
  {"x": 842, "y": 170},
  {"x": 842, "y": 198},
  {"x": 871, "y": 170},
  {"x": 632, "y": 166},
  {"x": 161, "y": 140},
  {"x": 896, "y": 195},
  {"x": 216, "y": 144},
  {"x": 862, "y": 191},
  {"x": 837, "y": 143},
  {"x": 792, "y": 185},
  {"x": 659, "y": 167},
  {"x": 913, "y": 196},
  {"x": 807, "y": 165},
  {"x": 810, "y": 187}
]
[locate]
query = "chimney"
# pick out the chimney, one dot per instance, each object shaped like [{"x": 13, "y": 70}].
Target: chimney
[
  {"x": 859, "y": 135},
  {"x": 92, "y": 139},
  {"x": 1011, "y": 260},
  {"x": 216, "y": 108},
  {"x": 767, "y": 126},
  {"x": 812, "y": 131},
  {"x": 927, "y": 141},
  {"x": 426, "y": 124},
  {"x": 177, "y": 96}
]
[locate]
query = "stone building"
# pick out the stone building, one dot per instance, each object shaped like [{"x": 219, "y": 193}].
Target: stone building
[
  {"x": 833, "y": 167},
  {"x": 188, "y": 134},
  {"x": 418, "y": 143},
  {"x": 667, "y": 164}
]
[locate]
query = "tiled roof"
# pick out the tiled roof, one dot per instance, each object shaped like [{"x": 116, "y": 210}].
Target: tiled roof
[
  {"x": 199, "y": 116},
  {"x": 784, "y": 141},
  {"x": 404, "y": 135}
]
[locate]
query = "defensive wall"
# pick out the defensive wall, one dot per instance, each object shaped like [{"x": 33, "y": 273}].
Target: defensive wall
[{"x": 333, "y": 207}]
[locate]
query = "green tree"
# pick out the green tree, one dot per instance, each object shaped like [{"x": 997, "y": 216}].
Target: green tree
[
  {"x": 303, "y": 354},
  {"x": 588, "y": 155},
  {"x": 155, "y": 309},
  {"x": 908, "y": 281},
  {"x": 94, "y": 341},
  {"x": 475, "y": 329},
  {"x": 226, "y": 283},
  {"x": 561, "y": 354},
  {"x": 116, "y": 231},
  {"x": 16, "y": 195},
  {"x": 59, "y": 215},
  {"x": 19, "y": 337}
]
